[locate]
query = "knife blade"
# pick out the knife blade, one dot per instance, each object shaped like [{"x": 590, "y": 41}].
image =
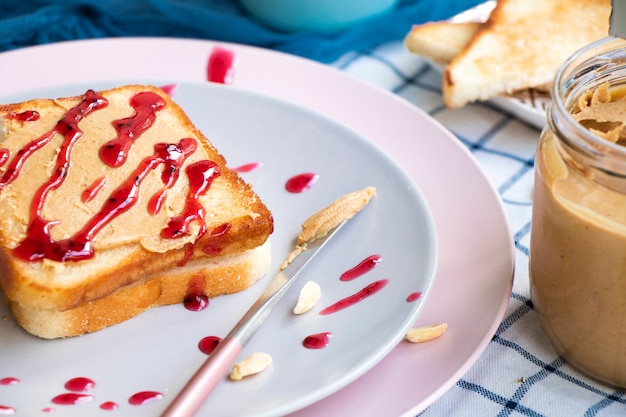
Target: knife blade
[
  {"x": 220, "y": 361},
  {"x": 618, "y": 19}
]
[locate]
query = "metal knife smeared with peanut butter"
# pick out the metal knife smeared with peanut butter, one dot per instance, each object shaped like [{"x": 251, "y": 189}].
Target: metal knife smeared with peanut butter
[{"x": 317, "y": 230}]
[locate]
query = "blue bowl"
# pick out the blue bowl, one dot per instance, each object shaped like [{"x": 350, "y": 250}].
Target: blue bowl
[{"x": 315, "y": 15}]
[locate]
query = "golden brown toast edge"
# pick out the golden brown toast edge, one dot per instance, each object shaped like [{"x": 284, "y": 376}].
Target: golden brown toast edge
[
  {"x": 440, "y": 41},
  {"x": 225, "y": 275}
]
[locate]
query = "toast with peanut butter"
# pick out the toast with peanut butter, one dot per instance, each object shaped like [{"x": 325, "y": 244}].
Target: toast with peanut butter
[
  {"x": 114, "y": 202},
  {"x": 520, "y": 46}
]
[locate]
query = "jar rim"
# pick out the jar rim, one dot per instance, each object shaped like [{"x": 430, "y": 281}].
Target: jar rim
[{"x": 591, "y": 64}]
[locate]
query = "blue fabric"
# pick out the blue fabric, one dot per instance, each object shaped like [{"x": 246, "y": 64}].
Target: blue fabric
[{"x": 26, "y": 23}]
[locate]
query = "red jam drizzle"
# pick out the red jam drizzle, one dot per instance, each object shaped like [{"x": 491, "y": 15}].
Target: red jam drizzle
[
  {"x": 25, "y": 116},
  {"x": 195, "y": 299},
  {"x": 414, "y": 296},
  {"x": 221, "y": 66},
  {"x": 317, "y": 341},
  {"x": 169, "y": 89},
  {"x": 92, "y": 191},
  {"x": 79, "y": 384},
  {"x": 208, "y": 344},
  {"x": 351, "y": 300},
  {"x": 144, "y": 397},
  {"x": 247, "y": 167},
  {"x": 196, "y": 302},
  {"x": 201, "y": 175},
  {"x": 301, "y": 182},
  {"x": 67, "y": 127},
  {"x": 146, "y": 104},
  {"x": 38, "y": 244},
  {"x": 109, "y": 406},
  {"x": 47, "y": 410},
  {"x": 9, "y": 381},
  {"x": 212, "y": 247},
  {"x": 363, "y": 267},
  {"x": 5, "y": 410},
  {"x": 170, "y": 175},
  {"x": 71, "y": 398}
]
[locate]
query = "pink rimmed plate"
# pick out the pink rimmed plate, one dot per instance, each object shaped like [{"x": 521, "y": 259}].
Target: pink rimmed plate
[{"x": 473, "y": 282}]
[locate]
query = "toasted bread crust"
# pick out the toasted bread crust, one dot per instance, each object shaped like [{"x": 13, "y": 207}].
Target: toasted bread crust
[
  {"x": 131, "y": 247},
  {"x": 442, "y": 41},
  {"x": 521, "y": 46},
  {"x": 227, "y": 275}
]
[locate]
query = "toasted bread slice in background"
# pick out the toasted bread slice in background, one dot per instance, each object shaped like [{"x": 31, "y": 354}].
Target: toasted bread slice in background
[
  {"x": 522, "y": 45},
  {"x": 194, "y": 211},
  {"x": 440, "y": 42}
]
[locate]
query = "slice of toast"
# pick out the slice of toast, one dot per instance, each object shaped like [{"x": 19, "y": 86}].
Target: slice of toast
[
  {"x": 522, "y": 45},
  {"x": 440, "y": 42},
  {"x": 112, "y": 190}
]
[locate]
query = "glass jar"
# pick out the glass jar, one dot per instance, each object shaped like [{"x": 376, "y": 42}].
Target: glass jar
[{"x": 578, "y": 236}]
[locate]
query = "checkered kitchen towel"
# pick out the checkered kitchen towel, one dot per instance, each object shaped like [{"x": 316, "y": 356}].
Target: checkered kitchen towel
[{"x": 519, "y": 374}]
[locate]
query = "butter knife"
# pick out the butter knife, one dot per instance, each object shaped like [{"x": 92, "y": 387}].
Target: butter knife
[{"x": 220, "y": 361}]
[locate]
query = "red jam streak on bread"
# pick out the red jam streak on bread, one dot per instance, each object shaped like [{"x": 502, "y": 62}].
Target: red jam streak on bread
[
  {"x": 301, "y": 182},
  {"x": 38, "y": 244},
  {"x": 208, "y": 344},
  {"x": 414, "y": 297},
  {"x": 195, "y": 299},
  {"x": 25, "y": 116},
  {"x": 201, "y": 175},
  {"x": 144, "y": 397},
  {"x": 71, "y": 398},
  {"x": 4, "y": 156},
  {"x": 212, "y": 247},
  {"x": 351, "y": 300},
  {"x": 68, "y": 127},
  {"x": 9, "y": 381},
  {"x": 92, "y": 191},
  {"x": 79, "y": 384},
  {"x": 363, "y": 267},
  {"x": 221, "y": 66},
  {"x": 317, "y": 341},
  {"x": 146, "y": 104}
]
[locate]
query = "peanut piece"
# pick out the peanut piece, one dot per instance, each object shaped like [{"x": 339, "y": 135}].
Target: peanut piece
[
  {"x": 309, "y": 296},
  {"x": 426, "y": 333},
  {"x": 253, "y": 364}
]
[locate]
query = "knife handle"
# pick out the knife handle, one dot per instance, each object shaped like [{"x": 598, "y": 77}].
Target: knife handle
[{"x": 206, "y": 378}]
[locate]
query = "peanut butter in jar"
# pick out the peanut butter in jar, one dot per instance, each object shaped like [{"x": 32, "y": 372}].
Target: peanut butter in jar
[{"x": 578, "y": 237}]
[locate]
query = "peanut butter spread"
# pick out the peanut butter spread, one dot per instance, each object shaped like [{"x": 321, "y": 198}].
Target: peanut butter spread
[
  {"x": 65, "y": 208},
  {"x": 578, "y": 247},
  {"x": 603, "y": 112}
]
